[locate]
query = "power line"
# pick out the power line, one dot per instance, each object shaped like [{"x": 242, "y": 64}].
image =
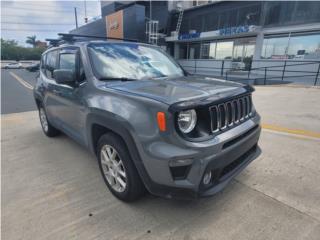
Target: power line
[
  {"x": 30, "y": 30},
  {"x": 33, "y": 23},
  {"x": 33, "y": 9},
  {"x": 4, "y": 15},
  {"x": 42, "y": 6},
  {"x": 42, "y": 10}
]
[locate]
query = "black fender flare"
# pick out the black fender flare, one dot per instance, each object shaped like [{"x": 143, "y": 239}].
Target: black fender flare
[
  {"x": 119, "y": 126},
  {"x": 37, "y": 97}
]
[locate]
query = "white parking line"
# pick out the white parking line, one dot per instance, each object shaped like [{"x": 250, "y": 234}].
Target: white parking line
[{"x": 20, "y": 80}]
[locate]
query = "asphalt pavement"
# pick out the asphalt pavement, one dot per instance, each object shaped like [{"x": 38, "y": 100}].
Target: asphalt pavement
[{"x": 16, "y": 96}]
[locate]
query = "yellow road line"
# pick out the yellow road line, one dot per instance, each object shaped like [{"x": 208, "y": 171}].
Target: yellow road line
[
  {"x": 20, "y": 80},
  {"x": 291, "y": 131}
]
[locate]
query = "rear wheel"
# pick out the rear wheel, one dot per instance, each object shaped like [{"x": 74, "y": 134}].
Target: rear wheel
[
  {"x": 117, "y": 168},
  {"x": 47, "y": 128}
]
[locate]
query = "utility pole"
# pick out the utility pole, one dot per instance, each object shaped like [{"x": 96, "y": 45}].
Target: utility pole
[
  {"x": 150, "y": 11},
  {"x": 76, "y": 16},
  {"x": 85, "y": 12}
]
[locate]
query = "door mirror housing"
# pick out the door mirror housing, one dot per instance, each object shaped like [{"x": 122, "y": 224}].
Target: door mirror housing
[{"x": 64, "y": 76}]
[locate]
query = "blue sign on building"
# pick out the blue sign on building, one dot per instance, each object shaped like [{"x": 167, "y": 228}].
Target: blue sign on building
[
  {"x": 233, "y": 30},
  {"x": 187, "y": 36}
]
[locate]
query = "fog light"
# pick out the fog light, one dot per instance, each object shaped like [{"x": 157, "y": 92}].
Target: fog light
[{"x": 207, "y": 178}]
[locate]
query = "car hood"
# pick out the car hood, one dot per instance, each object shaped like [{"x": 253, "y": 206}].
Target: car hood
[{"x": 189, "y": 88}]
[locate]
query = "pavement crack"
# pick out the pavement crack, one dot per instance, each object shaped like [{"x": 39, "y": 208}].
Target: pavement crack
[{"x": 282, "y": 203}]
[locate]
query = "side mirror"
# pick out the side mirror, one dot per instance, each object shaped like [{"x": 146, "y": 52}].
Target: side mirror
[{"x": 64, "y": 76}]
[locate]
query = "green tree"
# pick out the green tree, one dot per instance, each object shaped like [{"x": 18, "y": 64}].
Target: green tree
[
  {"x": 32, "y": 40},
  {"x": 10, "y": 50}
]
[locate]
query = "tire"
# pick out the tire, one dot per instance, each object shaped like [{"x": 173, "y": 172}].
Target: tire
[
  {"x": 121, "y": 163},
  {"x": 47, "y": 128}
]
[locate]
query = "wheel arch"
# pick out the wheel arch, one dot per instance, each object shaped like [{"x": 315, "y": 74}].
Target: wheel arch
[
  {"x": 102, "y": 123},
  {"x": 37, "y": 98},
  {"x": 99, "y": 124}
]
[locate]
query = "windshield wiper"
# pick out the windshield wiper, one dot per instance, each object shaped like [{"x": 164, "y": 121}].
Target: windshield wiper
[{"x": 123, "y": 79}]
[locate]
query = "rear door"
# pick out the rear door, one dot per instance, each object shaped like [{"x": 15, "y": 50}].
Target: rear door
[{"x": 49, "y": 86}]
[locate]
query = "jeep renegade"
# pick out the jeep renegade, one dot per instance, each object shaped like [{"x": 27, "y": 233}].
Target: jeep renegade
[{"x": 152, "y": 125}]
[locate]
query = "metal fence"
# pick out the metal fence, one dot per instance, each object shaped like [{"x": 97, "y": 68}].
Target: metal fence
[{"x": 258, "y": 71}]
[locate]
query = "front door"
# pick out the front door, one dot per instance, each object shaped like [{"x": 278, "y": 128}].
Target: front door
[{"x": 71, "y": 110}]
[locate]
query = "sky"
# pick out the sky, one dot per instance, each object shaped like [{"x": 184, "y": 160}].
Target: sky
[{"x": 44, "y": 19}]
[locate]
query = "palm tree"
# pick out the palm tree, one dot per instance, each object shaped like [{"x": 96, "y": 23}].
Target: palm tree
[{"x": 32, "y": 40}]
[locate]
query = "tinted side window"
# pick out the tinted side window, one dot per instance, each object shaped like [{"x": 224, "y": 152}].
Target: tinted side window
[
  {"x": 51, "y": 63},
  {"x": 82, "y": 75},
  {"x": 68, "y": 61}
]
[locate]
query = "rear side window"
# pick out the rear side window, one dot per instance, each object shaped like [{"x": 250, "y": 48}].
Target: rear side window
[
  {"x": 43, "y": 63},
  {"x": 51, "y": 63}
]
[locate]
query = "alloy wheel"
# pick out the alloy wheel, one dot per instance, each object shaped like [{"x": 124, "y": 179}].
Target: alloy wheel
[
  {"x": 113, "y": 168},
  {"x": 43, "y": 120}
]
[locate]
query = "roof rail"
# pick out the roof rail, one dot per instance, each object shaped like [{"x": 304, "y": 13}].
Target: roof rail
[
  {"x": 70, "y": 38},
  {"x": 73, "y": 37},
  {"x": 53, "y": 42}
]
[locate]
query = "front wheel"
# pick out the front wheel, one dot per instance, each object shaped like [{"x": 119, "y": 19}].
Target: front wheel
[
  {"x": 47, "y": 128},
  {"x": 117, "y": 168}
]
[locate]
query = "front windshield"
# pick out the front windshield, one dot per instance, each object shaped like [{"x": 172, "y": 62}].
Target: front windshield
[{"x": 131, "y": 60}]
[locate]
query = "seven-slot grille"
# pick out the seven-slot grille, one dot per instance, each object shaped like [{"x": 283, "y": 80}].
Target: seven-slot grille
[{"x": 233, "y": 112}]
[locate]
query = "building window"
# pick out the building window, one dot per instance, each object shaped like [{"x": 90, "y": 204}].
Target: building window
[
  {"x": 224, "y": 50},
  {"x": 196, "y": 24},
  {"x": 205, "y": 48},
  {"x": 199, "y": 2},
  {"x": 249, "y": 15},
  {"x": 237, "y": 53},
  {"x": 293, "y": 12},
  {"x": 208, "y": 50},
  {"x": 211, "y": 21},
  {"x": 304, "y": 47},
  {"x": 275, "y": 48},
  {"x": 194, "y": 51},
  {"x": 292, "y": 47},
  {"x": 273, "y": 13},
  {"x": 236, "y": 50},
  {"x": 183, "y": 51},
  {"x": 243, "y": 49}
]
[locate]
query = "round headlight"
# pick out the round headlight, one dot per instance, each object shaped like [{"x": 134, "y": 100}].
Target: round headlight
[{"x": 187, "y": 120}]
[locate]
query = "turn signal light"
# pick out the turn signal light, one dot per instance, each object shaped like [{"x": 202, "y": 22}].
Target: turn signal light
[{"x": 161, "y": 118}]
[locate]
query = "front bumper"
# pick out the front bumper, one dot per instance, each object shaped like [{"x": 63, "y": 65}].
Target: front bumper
[{"x": 234, "y": 156}]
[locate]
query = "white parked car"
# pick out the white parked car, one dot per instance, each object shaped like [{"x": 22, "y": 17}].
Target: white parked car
[{"x": 14, "y": 65}]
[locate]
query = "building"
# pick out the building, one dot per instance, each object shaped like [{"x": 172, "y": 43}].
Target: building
[
  {"x": 128, "y": 19},
  {"x": 218, "y": 37},
  {"x": 222, "y": 36},
  {"x": 41, "y": 44}
]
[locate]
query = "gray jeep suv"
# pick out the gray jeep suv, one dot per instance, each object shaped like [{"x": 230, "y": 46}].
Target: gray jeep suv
[{"x": 151, "y": 125}]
